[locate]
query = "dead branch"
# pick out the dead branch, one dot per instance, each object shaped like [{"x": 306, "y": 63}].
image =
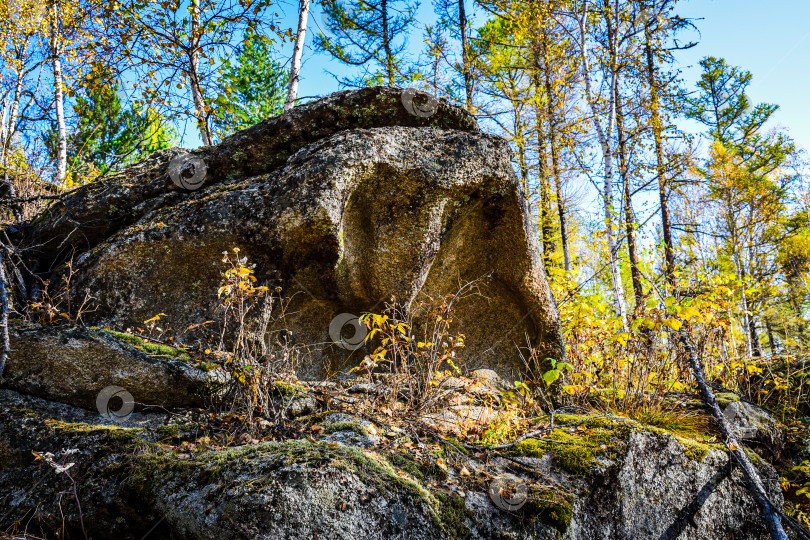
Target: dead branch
[
  {"x": 755, "y": 486},
  {"x": 4, "y": 318}
]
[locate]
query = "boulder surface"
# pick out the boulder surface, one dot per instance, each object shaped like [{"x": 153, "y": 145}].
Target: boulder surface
[
  {"x": 75, "y": 364},
  {"x": 344, "y": 203}
]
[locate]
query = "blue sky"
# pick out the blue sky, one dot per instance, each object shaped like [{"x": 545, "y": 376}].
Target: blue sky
[{"x": 769, "y": 38}]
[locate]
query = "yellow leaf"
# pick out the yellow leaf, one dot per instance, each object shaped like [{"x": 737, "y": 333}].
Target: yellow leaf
[{"x": 675, "y": 324}]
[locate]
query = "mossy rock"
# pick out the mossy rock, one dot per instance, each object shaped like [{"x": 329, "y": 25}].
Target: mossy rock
[
  {"x": 575, "y": 450},
  {"x": 74, "y": 364},
  {"x": 724, "y": 398},
  {"x": 551, "y": 508},
  {"x": 154, "y": 349}
]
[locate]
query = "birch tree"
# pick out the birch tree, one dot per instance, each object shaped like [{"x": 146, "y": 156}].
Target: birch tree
[
  {"x": 603, "y": 123},
  {"x": 298, "y": 50},
  {"x": 55, "y": 43}
]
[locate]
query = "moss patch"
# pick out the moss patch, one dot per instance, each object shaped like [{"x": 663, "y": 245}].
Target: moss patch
[
  {"x": 697, "y": 451},
  {"x": 346, "y": 426},
  {"x": 288, "y": 390},
  {"x": 79, "y": 427},
  {"x": 415, "y": 469},
  {"x": 551, "y": 508},
  {"x": 576, "y": 450},
  {"x": 153, "y": 349},
  {"x": 725, "y": 398},
  {"x": 453, "y": 515}
]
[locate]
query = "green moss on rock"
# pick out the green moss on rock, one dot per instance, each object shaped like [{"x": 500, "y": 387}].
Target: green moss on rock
[
  {"x": 124, "y": 433},
  {"x": 575, "y": 452},
  {"x": 346, "y": 426},
  {"x": 551, "y": 508},
  {"x": 289, "y": 390},
  {"x": 153, "y": 349},
  {"x": 453, "y": 515},
  {"x": 724, "y": 398}
]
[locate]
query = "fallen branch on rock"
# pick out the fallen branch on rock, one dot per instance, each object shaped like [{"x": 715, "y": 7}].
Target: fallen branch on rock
[
  {"x": 770, "y": 513},
  {"x": 755, "y": 486},
  {"x": 4, "y": 318}
]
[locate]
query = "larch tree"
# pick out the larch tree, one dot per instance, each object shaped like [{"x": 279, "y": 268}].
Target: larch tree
[{"x": 744, "y": 171}]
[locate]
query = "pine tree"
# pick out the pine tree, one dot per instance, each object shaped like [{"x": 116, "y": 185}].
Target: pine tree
[
  {"x": 107, "y": 135},
  {"x": 371, "y": 35},
  {"x": 253, "y": 88}
]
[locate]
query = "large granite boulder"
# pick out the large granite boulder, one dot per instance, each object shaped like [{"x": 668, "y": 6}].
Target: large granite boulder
[{"x": 343, "y": 204}]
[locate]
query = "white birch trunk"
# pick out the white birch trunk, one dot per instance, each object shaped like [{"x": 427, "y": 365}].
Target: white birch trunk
[
  {"x": 603, "y": 134},
  {"x": 298, "y": 50},
  {"x": 59, "y": 100},
  {"x": 194, "y": 75}
]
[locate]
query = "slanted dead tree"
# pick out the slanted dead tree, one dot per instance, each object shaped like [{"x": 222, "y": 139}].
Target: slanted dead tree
[
  {"x": 4, "y": 318},
  {"x": 754, "y": 483},
  {"x": 755, "y": 486}
]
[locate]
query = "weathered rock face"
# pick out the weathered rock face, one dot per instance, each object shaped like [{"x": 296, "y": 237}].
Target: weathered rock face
[
  {"x": 647, "y": 485},
  {"x": 344, "y": 203},
  {"x": 73, "y": 365},
  {"x": 754, "y": 425},
  {"x": 659, "y": 491}
]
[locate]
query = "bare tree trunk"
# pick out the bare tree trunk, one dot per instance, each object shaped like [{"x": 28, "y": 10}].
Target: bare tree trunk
[
  {"x": 10, "y": 127},
  {"x": 663, "y": 196},
  {"x": 771, "y": 340},
  {"x": 521, "y": 146},
  {"x": 555, "y": 165},
  {"x": 4, "y": 316},
  {"x": 59, "y": 99},
  {"x": 545, "y": 202},
  {"x": 629, "y": 219},
  {"x": 389, "y": 56},
  {"x": 194, "y": 75},
  {"x": 603, "y": 135},
  {"x": 465, "y": 55},
  {"x": 295, "y": 65},
  {"x": 8, "y": 132},
  {"x": 746, "y": 312},
  {"x": 756, "y": 346}
]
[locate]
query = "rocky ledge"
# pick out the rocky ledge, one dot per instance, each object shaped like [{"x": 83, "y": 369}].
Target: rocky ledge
[{"x": 332, "y": 474}]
